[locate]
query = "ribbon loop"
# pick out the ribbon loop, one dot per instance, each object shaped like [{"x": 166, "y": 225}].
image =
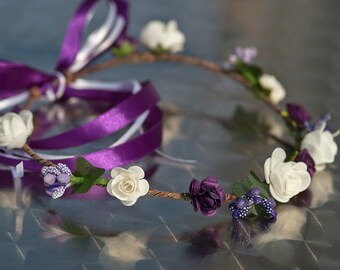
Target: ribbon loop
[
  {"x": 54, "y": 93},
  {"x": 73, "y": 57}
]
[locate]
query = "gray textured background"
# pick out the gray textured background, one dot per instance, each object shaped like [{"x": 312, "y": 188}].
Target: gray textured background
[{"x": 298, "y": 41}]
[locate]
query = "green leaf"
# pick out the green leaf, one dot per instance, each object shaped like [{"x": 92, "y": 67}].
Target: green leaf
[
  {"x": 83, "y": 167},
  {"x": 76, "y": 180},
  {"x": 101, "y": 182},
  {"x": 124, "y": 50},
  {"x": 252, "y": 181},
  {"x": 251, "y": 73},
  {"x": 85, "y": 176},
  {"x": 256, "y": 212},
  {"x": 159, "y": 50},
  {"x": 82, "y": 188},
  {"x": 243, "y": 67}
]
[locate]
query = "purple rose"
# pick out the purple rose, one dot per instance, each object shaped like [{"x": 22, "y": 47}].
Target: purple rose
[
  {"x": 207, "y": 195},
  {"x": 298, "y": 114},
  {"x": 306, "y": 158}
]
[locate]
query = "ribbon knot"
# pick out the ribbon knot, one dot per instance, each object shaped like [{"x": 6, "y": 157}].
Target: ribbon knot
[{"x": 56, "y": 89}]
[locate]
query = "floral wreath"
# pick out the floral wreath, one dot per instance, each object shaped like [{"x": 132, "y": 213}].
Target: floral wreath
[{"x": 135, "y": 107}]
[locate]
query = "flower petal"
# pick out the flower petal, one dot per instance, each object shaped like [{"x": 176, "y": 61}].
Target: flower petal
[
  {"x": 278, "y": 156},
  {"x": 300, "y": 166},
  {"x": 27, "y": 117},
  {"x": 138, "y": 171},
  {"x": 119, "y": 171},
  {"x": 113, "y": 190},
  {"x": 129, "y": 203},
  {"x": 143, "y": 187},
  {"x": 17, "y": 125},
  {"x": 277, "y": 196},
  {"x": 305, "y": 180},
  {"x": 276, "y": 180},
  {"x": 320, "y": 167},
  {"x": 18, "y": 141}
]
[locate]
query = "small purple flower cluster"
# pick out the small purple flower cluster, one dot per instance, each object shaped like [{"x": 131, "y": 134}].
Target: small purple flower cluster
[
  {"x": 310, "y": 126},
  {"x": 56, "y": 179},
  {"x": 302, "y": 118},
  {"x": 246, "y": 55},
  {"x": 240, "y": 208}
]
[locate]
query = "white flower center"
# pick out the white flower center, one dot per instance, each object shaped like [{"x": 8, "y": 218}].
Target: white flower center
[
  {"x": 127, "y": 186},
  {"x": 293, "y": 182}
]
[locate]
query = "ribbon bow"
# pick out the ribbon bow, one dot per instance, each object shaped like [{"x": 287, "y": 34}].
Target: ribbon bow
[{"x": 137, "y": 108}]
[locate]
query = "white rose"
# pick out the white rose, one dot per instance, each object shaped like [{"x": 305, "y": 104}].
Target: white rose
[
  {"x": 277, "y": 92},
  {"x": 321, "y": 146},
  {"x": 285, "y": 179},
  {"x": 127, "y": 185},
  {"x": 15, "y": 129},
  {"x": 157, "y": 33}
]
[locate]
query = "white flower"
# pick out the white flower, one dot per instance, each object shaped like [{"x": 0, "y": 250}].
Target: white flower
[
  {"x": 167, "y": 36},
  {"x": 15, "y": 129},
  {"x": 321, "y": 146},
  {"x": 285, "y": 179},
  {"x": 127, "y": 185},
  {"x": 277, "y": 92}
]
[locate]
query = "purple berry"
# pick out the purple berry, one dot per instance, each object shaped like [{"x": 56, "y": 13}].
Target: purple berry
[
  {"x": 272, "y": 202},
  {"x": 56, "y": 191},
  {"x": 257, "y": 200},
  {"x": 240, "y": 203},
  {"x": 49, "y": 179},
  {"x": 63, "y": 169},
  {"x": 255, "y": 191},
  {"x": 236, "y": 213},
  {"x": 44, "y": 170},
  {"x": 63, "y": 178}
]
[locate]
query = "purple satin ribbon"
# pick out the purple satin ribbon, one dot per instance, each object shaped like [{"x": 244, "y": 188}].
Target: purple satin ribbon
[
  {"x": 16, "y": 78},
  {"x": 75, "y": 30},
  {"x": 107, "y": 123},
  {"x": 120, "y": 155}
]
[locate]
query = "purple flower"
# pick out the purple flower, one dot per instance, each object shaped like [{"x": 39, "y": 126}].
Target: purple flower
[
  {"x": 310, "y": 126},
  {"x": 306, "y": 158},
  {"x": 56, "y": 179},
  {"x": 246, "y": 55},
  {"x": 56, "y": 191},
  {"x": 298, "y": 114},
  {"x": 240, "y": 208},
  {"x": 207, "y": 195}
]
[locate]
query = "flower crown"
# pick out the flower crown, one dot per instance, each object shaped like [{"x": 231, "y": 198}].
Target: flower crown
[{"x": 135, "y": 108}]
